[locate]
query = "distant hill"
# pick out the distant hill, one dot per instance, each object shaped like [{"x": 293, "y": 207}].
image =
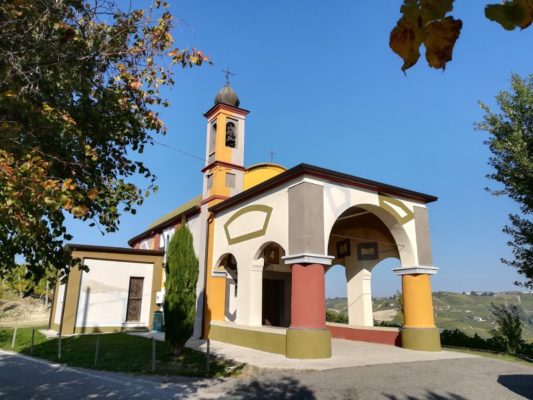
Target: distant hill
[{"x": 467, "y": 312}]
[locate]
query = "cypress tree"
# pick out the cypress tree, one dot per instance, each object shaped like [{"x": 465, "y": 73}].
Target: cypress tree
[{"x": 180, "y": 289}]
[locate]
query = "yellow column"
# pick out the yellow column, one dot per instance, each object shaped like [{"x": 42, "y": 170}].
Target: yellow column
[
  {"x": 419, "y": 331},
  {"x": 417, "y": 301}
]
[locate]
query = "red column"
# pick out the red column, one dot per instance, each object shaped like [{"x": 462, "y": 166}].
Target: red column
[{"x": 308, "y": 296}]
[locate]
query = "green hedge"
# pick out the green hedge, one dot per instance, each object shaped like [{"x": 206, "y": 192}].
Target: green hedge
[{"x": 457, "y": 338}]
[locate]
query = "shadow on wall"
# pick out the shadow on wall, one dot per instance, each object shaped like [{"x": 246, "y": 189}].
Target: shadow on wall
[
  {"x": 207, "y": 316},
  {"x": 85, "y": 310},
  {"x": 284, "y": 388},
  {"x": 520, "y": 384},
  {"x": 429, "y": 396}
]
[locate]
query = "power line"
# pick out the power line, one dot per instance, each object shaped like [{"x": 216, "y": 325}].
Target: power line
[{"x": 179, "y": 151}]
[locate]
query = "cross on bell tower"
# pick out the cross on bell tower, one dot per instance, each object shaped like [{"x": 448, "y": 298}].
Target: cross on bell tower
[{"x": 228, "y": 73}]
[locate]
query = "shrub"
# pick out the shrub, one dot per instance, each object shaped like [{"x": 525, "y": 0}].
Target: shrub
[
  {"x": 333, "y": 316},
  {"x": 180, "y": 289}
]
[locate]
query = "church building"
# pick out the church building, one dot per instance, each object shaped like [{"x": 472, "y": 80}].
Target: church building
[{"x": 265, "y": 236}]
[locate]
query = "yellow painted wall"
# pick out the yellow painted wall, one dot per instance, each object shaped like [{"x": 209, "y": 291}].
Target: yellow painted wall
[
  {"x": 222, "y": 153},
  {"x": 215, "y": 286},
  {"x": 417, "y": 301},
  {"x": 259, "y": 173}
]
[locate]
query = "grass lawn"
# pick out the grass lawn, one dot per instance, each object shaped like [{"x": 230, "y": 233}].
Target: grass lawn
[
  {"x": 117, "y": 352},
  {"x": 488, "y": 354}
]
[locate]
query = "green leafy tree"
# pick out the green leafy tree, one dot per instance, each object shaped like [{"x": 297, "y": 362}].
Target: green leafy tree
[
  {"x": 429, "y": 23},
  {"x": 180, "y": 289},
  {"x": 44, "y": 284},
  {"x": 511, "y": 144},
  {"x": 80, "y": 97},
  {"x": 20, "y": 280},
  {"x": 508, "y": 327}
]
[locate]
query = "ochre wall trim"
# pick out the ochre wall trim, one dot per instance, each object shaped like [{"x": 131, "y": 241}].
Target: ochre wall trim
[{"x": 251, "y": 235}]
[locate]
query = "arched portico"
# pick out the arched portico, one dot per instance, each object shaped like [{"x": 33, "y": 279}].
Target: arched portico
[
  {"x": 359, "y": 240},
  {"x": 228, "y": 263},
  {"x": 320, "y": 217},
  {"x": 361, "y": 237}
]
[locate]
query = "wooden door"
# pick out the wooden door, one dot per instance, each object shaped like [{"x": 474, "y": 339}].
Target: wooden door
[{"x": 135, "y": 296}]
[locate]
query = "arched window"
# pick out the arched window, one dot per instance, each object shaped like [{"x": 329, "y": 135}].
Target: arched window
[{"x": 231, "y": 135}]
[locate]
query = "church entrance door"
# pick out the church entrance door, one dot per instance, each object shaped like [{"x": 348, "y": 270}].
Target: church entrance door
[{"x": 273, "y": 301}]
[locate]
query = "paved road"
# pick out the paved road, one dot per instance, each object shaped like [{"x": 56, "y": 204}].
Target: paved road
[
  {"x": 459, "y": 379},
  {"x": 27, "y": 378}
]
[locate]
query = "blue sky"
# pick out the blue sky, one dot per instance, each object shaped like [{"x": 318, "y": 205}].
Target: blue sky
[{"x": 323, "y": 87}]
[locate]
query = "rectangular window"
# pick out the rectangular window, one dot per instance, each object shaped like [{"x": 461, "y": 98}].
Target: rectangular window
[
  {"x": 135, "y": 297},
  {"x": 212, "y": 138},
  {"x": 230, "y": 180},
  {"x": 209, "y": 181}
]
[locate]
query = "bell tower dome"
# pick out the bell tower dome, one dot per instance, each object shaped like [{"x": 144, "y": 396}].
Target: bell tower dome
[{"x": 224, "y": 168}]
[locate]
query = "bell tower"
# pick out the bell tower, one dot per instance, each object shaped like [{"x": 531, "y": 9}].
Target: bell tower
[
  {"x": 224, "y": 168},
  {"x": 223, "y": 177}
]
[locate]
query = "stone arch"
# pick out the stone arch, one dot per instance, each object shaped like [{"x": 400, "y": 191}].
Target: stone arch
[
  {"x": 260, "y": 252},
  {"x": 222, "y": 261},
  {"x": 406, "y": 250},
  {"x": 360, "y": 238},
  {"x": 275, "y": 284},
  {"x": 228, "y": 263}
]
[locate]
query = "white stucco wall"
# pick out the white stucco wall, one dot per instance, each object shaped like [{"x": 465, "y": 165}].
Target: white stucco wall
[
  {"x": 194, "y": 225},
  {"x": 197, "y": 226},
  {"x": 250, "y": 269},
  {"x": 337, "y": 199},
  {"x": 277, "y": 229},
  {"x": 60, "y": 301},
  {"x": 104, "y": 292}
]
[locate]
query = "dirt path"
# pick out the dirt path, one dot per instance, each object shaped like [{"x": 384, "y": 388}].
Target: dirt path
[
  {"x": 23, "y": 312},
  {"x": 385, "y": 315}
]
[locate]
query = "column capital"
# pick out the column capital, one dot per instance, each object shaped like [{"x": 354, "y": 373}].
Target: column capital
[
  {"x": 308, "y": 258},
  {"x": 416, "y": 270}
]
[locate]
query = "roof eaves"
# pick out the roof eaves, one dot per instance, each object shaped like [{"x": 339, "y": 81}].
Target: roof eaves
[
  {"x": 307, "y": 169},
  {"x": 187, "y": 209},
  {"x": 176, "y": 212},
  {"x": 111, "y": 249}
]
